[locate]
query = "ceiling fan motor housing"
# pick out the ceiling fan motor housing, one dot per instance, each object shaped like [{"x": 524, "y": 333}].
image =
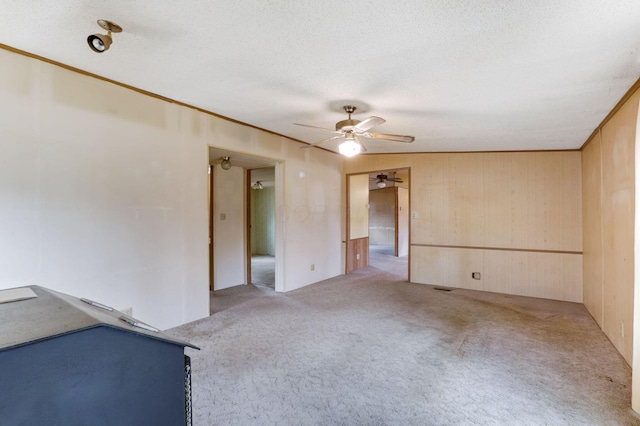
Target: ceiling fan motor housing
[{"x": 346, "y": 125}]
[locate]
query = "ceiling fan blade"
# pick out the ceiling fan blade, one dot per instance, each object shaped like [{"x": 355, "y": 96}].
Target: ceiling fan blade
[
  {"x": 368, "y": 123},
  {"x": 389, "y": 137},
  {"x": 319, "y": 142},
  {"x": 316, "y": 127}
]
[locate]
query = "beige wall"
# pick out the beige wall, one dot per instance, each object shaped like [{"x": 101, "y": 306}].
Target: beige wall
[
  {"x": 514, "y": 217},
  {"x": 609, "y": 208},
  {"x": 103, "y": 193}
]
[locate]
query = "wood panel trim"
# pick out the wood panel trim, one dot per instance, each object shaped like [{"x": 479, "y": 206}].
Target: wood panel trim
[
  {"x": 471, "y": 152},
  {"x": 353, "y": 247},
  {"x": 613, "y": 112},
  {"x": 496, "y": 248},
  {"x": 8, "y": 48},
  {"x": 151, "y": 94}
]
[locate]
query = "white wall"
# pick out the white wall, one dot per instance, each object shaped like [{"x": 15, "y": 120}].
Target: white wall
[
  {"x": 229, "y": 228},
  {"x": 103, "y": 193}
]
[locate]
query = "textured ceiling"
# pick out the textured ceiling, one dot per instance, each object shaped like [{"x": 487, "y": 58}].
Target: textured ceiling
[{"x": 458, "y": 75}]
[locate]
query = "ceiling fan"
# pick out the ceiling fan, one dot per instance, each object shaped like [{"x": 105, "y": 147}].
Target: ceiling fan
[
  {"x": 352, "y": 131},
  {"x": 383, "y": 179}
]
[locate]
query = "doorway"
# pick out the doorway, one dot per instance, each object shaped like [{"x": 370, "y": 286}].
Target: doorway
[
  {"x": 389, "y": 221},
  {"x": 229, "y": 217},
  {"x": 261, "y": 248},
  {"x": 392, "y": 254}
]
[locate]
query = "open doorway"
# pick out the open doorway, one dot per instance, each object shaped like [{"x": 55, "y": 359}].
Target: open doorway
[
  {"x": 262, "y": 226},
  {"x": 229, "y": 218},
  {"x": 389, "y": 221}
]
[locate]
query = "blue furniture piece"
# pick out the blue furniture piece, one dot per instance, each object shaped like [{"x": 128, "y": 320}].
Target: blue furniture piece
[{"x": 69, "y": 361}]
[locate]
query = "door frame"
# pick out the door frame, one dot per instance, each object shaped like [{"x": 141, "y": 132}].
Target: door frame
[
  {"x": 348, "y": 214},
  {"x": 279, "y": 165}
]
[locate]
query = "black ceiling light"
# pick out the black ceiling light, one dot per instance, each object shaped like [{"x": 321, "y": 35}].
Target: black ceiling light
[{"x": 100, "y": 42}]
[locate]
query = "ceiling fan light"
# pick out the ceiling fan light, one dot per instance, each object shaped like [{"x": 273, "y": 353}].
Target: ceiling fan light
[
  {"x": 349, "y": 148},
  {"x": 381, "y": 184},
  {"x": 257, "y": 185}
]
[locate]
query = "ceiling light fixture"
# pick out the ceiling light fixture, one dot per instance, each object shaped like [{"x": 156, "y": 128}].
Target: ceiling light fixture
[
  {"x": 100, "y": 42},
  {"x": 225, "y": 163},
  {"x": 350, "y": 146},
  {"x": 381, "y": 184},
  {"x": 257, "y": 185}
]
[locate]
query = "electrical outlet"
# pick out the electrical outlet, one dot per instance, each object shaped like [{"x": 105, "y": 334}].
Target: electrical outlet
[
  {"x": 223, "y": 216},
  {"x": 358, "y": 256},
  {"x": 475, "y": 275},
  {"x": 313, "y": 267},
  {"x": 414, "y": 215}
]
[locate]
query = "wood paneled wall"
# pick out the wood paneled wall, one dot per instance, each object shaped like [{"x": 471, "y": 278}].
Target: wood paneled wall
[
  {"x": 514, "y": 217},
  {"x": 358, "y": 254},
  {"x": 592, "y": 229},
  {"x": 609, "y": 208},
  {"x": 402, "y": 224},
  {"x": 382, "y": 216},
  {"x": 358, "y": 206}
]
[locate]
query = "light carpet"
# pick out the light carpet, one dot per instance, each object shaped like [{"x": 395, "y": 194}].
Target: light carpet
[
  {"x": 263, "y": 270},
  {"x": 383, "y": 257},
  {"x": 369, "y": 349}
]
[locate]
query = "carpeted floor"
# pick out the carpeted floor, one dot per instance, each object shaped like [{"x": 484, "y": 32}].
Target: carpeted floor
[
  {"x": 383, "y": 257},
  {"x": 369, "y": 349},
  {"x": 263, "y": 270}
]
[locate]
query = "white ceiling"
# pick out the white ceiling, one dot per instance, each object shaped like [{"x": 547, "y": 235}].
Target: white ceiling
[{"x": 458, "y": 75}]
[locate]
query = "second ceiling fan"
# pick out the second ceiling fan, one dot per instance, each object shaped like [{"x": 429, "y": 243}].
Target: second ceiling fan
[
  {"x": 383, "y": 179},
  {"x": 352, "y": 131}
]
